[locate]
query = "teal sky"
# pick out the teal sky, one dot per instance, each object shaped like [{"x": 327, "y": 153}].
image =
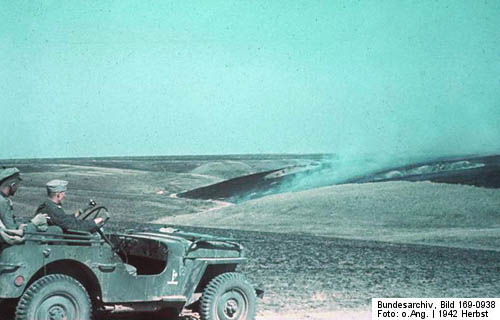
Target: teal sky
[{"x": 119, "y": 78}]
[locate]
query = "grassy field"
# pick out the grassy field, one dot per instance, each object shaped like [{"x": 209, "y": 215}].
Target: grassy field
[{"x": 399, "y": 212}]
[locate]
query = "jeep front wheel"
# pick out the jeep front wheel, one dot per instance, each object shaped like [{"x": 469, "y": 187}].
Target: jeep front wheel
[
  {"x": 228, "y": 296},
  {"x": 54, "y": 297}
]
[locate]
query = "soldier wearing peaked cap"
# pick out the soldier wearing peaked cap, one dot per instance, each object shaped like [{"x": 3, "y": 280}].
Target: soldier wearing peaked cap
[
  {"x": 10, "y": 231},
  {"x": 52, "y": 206},
  {"x": 10, "y": 179}
]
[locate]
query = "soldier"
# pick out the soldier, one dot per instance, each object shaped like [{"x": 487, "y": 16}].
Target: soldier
[
  {"x": 9, "y": 182},
  {"x": 56, "y": 193},
  {"x": 10, "y": 231}
]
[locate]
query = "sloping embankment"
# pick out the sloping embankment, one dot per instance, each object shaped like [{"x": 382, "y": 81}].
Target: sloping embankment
[{"x": 410, "y": 212}]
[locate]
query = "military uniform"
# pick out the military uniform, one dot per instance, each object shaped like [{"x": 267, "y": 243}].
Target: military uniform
[
  {"x": 9, "y": 229},
  {"x": 6, "y": 213},
  {"x": 56, "y": 213},
  {"x": 66, "y": 221},
  {"x": 6, "y": 208}
]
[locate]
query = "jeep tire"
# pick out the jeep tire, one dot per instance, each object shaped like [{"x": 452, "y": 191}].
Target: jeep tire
[
  {"x": 228, "y": 296},
  {"x": 55, "y": 297}
]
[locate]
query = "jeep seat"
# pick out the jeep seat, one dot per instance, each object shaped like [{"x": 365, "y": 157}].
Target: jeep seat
[{"x": 55, "y": 230}]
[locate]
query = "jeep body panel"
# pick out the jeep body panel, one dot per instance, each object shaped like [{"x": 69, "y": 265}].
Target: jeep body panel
[
  {"x": 165, "y": 268},
  {"x": 29, "y": 258},
  {"x": 185, "y": 266}
]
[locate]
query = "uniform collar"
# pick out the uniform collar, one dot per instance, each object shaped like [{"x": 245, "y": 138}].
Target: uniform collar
[{"x": 52, "y": 203}]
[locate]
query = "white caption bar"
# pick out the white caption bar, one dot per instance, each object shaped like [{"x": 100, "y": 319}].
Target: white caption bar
[{"x": 435, "y": 308}]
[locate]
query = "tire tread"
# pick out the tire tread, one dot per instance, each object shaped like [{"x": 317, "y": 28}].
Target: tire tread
[
  {"x": 22, "y": 306},
  {"x": 211, "y": 291}
]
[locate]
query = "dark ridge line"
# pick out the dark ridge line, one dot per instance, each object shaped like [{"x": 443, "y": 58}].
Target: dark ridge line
[{"x": 255, "y": 185}]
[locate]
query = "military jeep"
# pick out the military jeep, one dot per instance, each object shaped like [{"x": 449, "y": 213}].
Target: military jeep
[{"x": 58, "y": 275}]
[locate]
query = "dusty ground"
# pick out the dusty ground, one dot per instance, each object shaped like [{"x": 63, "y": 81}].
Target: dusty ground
[
  {"x": 302, "y": 272},
  {"x": 328, "y": 269},
  {"x": 307, "y": 315}
]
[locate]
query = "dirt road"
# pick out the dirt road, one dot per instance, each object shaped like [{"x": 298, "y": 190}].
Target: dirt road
[{"x": 304, "y": 315}]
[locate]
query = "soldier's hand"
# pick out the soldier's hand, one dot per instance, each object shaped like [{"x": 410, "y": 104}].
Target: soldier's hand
[
  {"x": 40, "y": 219},
  {"x": 99, "y": 221},
  {"x": 78, "y": 213},
  {"x": 16, "y": 232}
]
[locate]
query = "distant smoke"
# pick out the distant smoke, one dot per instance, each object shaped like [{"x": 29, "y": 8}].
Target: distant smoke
[
  {"x": 333, "y": 169},
  {"x": 338, "y": 170}
]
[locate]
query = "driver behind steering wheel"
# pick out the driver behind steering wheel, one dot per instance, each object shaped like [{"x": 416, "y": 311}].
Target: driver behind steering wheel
[{"x": 52, "y": 206}]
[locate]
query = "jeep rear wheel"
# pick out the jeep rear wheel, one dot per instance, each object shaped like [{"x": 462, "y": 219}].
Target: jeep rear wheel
[
  {"x": 228, "y": 296},
  {"x": 54, "y": 297}
]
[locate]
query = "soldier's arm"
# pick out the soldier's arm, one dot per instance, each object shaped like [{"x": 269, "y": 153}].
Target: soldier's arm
[
  {"x": 85, "y": 225},
  {"x": 66, "y": 222},
  {"x": 7, "y": 216}
]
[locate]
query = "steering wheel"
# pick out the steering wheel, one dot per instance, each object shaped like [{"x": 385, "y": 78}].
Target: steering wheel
[{"x": 100, "y": 211}]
